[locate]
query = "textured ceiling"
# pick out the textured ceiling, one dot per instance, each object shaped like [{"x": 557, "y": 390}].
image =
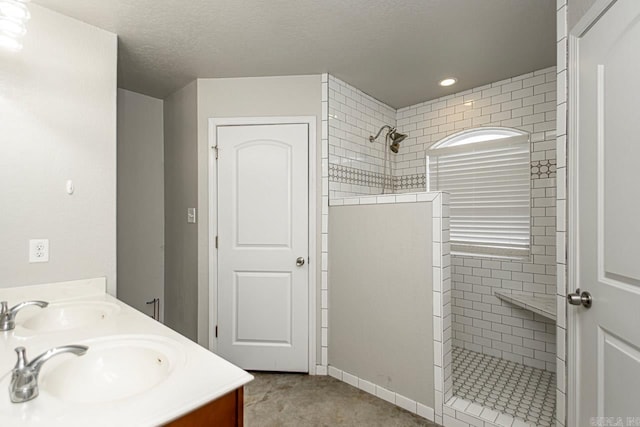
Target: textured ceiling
[{"x": 394, "y": 50}]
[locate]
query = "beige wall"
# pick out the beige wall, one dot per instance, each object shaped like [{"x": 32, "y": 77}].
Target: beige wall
[
  {"x": 180, "y": 193},
  {"x": 381, "y": 298},
  {"x": 140, "y": 200},
  {"x": 58, "y": 115},
  {"x": 246, "y": 97}
]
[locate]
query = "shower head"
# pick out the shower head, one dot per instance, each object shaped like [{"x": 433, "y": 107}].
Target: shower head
[
  {"x": 397, "y": 137},
  {"x": 394, "y": 136}
]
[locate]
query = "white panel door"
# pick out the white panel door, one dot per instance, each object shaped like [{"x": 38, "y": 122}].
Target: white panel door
[
  {"x": 608, "y": 218},
  {"x": 263, "y": 246}
]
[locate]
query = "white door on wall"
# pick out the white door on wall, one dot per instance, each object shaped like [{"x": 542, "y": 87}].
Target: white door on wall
[
  {"x": 263, "y": 232},
  {"x": 607, "y": 220}
]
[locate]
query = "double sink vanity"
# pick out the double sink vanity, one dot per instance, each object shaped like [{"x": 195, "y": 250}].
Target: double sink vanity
[{"x": 78, "y": 356}]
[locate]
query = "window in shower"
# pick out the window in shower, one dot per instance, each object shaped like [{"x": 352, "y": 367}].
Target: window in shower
[{"x": 486, "y": 171}]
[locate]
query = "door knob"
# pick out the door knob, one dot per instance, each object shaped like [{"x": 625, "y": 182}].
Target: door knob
[
  {"x": 300, "y": 261},
  {"x": 578, "y": 298}
]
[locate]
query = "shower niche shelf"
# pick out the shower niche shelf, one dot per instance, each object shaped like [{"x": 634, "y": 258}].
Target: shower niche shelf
[{"x": 544, "y": 305}]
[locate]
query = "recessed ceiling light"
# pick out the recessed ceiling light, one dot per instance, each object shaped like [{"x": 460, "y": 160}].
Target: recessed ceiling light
[{"x": 448, "y": 81}]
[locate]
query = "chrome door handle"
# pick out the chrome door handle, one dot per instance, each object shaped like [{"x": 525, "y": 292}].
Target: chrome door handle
[
  {"x": 300, "y": 261},
  {"x": 578, "y": 298}
]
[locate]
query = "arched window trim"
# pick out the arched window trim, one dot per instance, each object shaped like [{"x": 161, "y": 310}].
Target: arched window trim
[
  {"x": 454, "y": 140},
  {"x": 489, "y": 183}
]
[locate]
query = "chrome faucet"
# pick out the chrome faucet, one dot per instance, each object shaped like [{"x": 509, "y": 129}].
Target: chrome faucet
[
  {"x": 8, "y": 316},
  {"x": 24, "y": 376}
]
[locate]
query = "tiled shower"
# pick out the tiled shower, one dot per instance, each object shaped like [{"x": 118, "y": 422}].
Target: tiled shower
[{"x": 489, "y": 334}]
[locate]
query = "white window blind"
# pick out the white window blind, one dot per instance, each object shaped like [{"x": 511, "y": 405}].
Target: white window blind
[{"x": 487, "y": 174}]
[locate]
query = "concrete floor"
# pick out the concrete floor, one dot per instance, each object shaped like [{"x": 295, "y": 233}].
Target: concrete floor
[{"x": 297, "y": 400}]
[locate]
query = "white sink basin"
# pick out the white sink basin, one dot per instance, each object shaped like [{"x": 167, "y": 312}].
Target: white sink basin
[
  {"x": 69, "y": 315},
  {"x": 112, "y": 369}
]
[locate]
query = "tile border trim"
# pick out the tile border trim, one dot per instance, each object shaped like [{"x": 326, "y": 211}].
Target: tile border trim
[
  {"x": 321, "y": 368},
  {"x": 388, "y": 198}
]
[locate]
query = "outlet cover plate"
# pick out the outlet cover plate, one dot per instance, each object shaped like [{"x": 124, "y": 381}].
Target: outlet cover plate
[{"x": 38, "y": 250}]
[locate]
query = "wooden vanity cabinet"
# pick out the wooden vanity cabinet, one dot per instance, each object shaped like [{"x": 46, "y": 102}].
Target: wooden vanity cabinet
[{"x": 226, "y": 411}]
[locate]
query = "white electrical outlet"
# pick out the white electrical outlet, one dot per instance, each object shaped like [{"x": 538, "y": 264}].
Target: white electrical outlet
[{"x": 39, "y": 250}]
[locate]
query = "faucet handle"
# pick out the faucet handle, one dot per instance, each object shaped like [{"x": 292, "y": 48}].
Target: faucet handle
[
  {"x": 22, "y": 358},
  {"x": 4, "y": 308}
]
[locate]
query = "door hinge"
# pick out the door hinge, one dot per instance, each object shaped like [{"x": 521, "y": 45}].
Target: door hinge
[
  {"x": 215, "y": 147},
  {"x": 216, "y": 242},
  {"x": 216, "y": 331}
]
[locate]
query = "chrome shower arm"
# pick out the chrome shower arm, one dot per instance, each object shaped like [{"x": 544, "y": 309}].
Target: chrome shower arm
[{"x": 373, "y": 138}]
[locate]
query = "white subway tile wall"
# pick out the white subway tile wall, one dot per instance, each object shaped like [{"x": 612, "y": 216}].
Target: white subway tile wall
[
  {"x": 482, "y": 322},
  {"x": 534, "y": 102},
  {"x": 526, "y": 102},
  {"x": 356, "y": 166}
]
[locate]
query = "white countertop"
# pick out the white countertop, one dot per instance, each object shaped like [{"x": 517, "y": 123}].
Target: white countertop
[{"x": 197, "y": 377}]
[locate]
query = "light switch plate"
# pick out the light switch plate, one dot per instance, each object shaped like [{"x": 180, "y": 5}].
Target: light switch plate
[{"x": 191, "y": 215}]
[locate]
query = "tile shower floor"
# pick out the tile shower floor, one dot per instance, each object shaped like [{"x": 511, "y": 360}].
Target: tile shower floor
[{"x": 521, "y": 391}]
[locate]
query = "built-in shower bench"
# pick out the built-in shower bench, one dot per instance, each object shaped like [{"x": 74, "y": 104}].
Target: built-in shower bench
[{"x": 544, "y": 305}]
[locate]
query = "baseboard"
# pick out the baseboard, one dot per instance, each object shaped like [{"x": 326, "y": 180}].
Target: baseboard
[{"x": 383, "y": 393}]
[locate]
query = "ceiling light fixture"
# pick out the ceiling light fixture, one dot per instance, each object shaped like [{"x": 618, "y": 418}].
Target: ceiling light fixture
[
  {"x": 448, "y": 81},
  {"x": 14, "y": 15}
]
